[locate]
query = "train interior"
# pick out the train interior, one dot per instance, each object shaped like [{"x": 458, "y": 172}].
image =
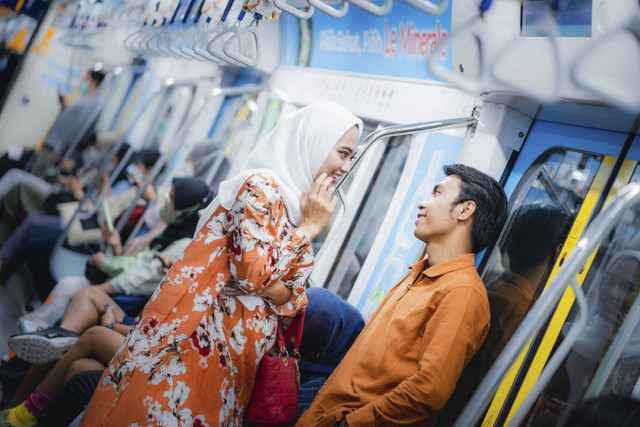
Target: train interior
[{"x": 542, "y": 95}]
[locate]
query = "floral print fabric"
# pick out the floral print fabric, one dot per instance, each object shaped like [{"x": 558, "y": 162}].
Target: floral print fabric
[{"x": 192, "y": 356}]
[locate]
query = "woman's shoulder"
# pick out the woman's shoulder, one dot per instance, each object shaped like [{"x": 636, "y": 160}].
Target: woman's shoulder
[{"x": 264, "y": 184}]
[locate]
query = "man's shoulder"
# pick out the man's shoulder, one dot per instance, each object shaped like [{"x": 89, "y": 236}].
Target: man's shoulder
[{"x": 464, "y": 281}]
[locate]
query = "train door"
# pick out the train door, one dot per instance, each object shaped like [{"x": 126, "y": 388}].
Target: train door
[{"x": 561, "y": 179}]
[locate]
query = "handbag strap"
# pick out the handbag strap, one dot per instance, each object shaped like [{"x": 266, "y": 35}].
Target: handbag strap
[{"x": 295, "y": 326}]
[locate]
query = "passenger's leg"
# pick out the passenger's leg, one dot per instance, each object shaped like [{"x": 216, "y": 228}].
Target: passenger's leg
[
  {"x": 86, "y": 308},
  {"x": 20, "y": 201},
  {"x": 17, "y": 176},
  {"x": 98, "y": 342},
  {"x": 75, "y": 396},
  {"x": 13, "y": 252},
  {"x": 29, "y": 383}
]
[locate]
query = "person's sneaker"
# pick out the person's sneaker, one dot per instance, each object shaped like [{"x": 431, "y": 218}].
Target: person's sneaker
[{"x": 44, "y": 345}]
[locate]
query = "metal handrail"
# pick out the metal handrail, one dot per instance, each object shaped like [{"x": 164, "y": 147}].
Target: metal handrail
[
  {"x": 411, "y": 128},
  {"x": 544, "y": 307},
  {"x": 377, "y": 135}
]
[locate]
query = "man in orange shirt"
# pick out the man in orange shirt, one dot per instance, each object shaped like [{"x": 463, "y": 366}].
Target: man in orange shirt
[{"x": 404, "y": 365}]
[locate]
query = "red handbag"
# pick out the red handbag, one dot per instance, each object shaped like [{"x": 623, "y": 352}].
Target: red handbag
[{"x": 274, "y": 401}]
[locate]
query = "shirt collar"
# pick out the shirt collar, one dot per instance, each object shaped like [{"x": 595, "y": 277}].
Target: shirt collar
[{"x": 466, "y": 260}]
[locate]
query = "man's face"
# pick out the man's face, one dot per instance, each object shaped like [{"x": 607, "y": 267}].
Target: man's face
[
  {"x": 619, "y": 289},
  {"x": 436, "y": 214}
]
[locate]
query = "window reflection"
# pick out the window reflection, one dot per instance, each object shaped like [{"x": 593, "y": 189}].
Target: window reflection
[{"x": 605, "y": 360}]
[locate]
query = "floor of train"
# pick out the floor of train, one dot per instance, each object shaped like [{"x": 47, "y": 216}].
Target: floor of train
[{"x": 11, "y": 302}]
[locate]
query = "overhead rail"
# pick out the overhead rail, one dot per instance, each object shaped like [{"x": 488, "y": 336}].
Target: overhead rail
[
  {"x": 397, "y": 130},
  {"x": 492, "y": 73},
  {"x": 623, "y": 97},
  {"x": 203, "y": 30},
  {"x": 627, "y": 198}
]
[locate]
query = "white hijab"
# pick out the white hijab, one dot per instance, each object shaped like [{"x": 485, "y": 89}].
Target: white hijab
[{"x": 292, "y": 154}]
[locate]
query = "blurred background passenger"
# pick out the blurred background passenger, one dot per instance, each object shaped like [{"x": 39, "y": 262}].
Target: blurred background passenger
[
  {"x": 132, "y": 275},
  {"x": 37, "y": 234},
  {"x": 71, "y": 121}
]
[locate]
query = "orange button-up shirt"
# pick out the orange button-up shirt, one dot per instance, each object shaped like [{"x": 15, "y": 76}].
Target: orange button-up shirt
[{"x": 404, "y": 365}]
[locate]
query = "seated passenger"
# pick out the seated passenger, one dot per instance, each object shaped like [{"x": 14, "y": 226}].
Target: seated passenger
[
  {"x": 22, "y": 193},
  {"x": 38, "y": 233},
  {"x": 331, "y": 325},
  {"x": 533, "y": 245},
  {"x": 92, "y": 351},
  {"x": 71, "y": 121},
  {"x": 138, "y": 277},
  {"x": 404, "y": 365}
]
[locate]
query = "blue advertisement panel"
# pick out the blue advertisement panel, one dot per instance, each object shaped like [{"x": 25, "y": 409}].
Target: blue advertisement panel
[
  {"x": 396, "y": 44},
  {"x": 401, "y": 247}
]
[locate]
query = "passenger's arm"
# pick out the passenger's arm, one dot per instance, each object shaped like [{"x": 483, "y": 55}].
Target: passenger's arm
[
  {"x": 263, "y": 246},
  {"x": 143, "y": 277},
  {"x": 451, "y": 337}
]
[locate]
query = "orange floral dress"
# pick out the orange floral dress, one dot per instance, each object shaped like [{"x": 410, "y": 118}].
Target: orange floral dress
[{"x": 192, "y": 356}]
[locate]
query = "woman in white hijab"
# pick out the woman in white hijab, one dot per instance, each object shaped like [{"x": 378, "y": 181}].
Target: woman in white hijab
[{"x": 192, "y": 356}]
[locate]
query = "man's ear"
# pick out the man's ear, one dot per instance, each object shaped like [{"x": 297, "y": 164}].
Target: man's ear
[{"x": 467, "y": 209}]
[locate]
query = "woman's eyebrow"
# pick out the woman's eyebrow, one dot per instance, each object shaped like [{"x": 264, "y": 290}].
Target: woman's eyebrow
[{"x": 349, "y": 149}]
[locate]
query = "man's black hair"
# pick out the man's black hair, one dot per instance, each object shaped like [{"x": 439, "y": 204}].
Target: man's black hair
[
  {"x": 96, "y": 76},
  {"x": 491, "y": 204},
  {"x": 535, "y": 233}
]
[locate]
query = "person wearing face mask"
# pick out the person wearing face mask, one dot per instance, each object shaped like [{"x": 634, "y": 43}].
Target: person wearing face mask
[
  {"x": 215, "y": 313},
  {"x": 35, "y": 237},
  {"x": 70, "y": 122},
  {"x": 129, "y": 275},
  {"x": 22, "y": 193}
]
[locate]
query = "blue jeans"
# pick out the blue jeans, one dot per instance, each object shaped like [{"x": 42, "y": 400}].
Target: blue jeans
[{"x": 308, "y": 391}]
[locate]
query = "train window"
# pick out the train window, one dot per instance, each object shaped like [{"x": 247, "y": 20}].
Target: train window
[
  {"x": 606, "y": 357},
  {"x": 368, "y": 218},
  {"x": 542, "y": 210},
  {"x": 556, "y": 184}
]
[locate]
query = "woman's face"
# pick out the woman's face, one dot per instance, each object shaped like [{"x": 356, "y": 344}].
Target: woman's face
[{"x": 338, "y": 162}]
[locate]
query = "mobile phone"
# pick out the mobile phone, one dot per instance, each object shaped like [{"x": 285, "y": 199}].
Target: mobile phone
[
  {"x": 161, "y": 261},
  {"x": 107, "y": 215}
]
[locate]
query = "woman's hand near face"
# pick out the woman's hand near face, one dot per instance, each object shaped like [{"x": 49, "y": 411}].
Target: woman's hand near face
[{"x": 317, "y": 206}]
